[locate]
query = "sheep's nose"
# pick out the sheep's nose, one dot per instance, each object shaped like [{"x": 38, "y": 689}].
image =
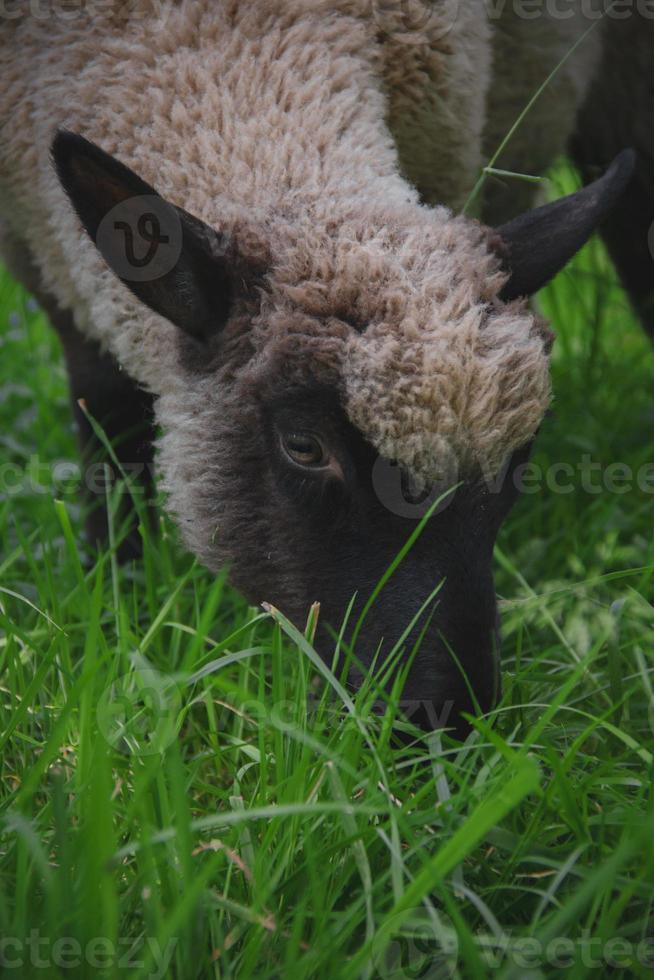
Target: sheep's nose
[{"x": 453, "y": 695}]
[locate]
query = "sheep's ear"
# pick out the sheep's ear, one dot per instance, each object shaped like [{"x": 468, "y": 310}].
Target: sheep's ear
[
  {"x": 536, "y": 245},
  {"x": 171, "y": 261}
]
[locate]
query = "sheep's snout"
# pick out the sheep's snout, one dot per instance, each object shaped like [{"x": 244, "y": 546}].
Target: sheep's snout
[{"x": 449, "y": 657}]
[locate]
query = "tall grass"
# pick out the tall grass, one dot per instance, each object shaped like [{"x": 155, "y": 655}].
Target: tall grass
[{"x": 188, "y": 792}]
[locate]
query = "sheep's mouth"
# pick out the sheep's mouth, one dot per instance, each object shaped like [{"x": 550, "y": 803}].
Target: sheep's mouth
[{"x": 448, "y": 709}]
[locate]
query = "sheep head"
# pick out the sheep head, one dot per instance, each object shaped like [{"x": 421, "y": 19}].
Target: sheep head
[{"x": 337, "y": 377}]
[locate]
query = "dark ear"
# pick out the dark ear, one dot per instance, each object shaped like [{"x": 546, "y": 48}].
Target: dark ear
[
  {"x": 536, "y": 245},
  {"x": 174, "y": 263}
]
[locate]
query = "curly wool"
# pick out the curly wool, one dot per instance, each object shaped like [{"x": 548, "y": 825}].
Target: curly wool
[
  {"x": 434, "y": 370},
  {"x": 270, "y": 121}
]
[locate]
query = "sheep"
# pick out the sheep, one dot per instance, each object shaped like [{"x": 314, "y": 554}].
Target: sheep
[{"x": 316, "y": 308}]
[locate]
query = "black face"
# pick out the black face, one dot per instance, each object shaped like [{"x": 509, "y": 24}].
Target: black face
[{"x": 338, "y": 536}]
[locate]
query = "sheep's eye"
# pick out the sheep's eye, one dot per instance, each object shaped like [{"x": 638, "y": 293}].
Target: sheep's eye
[{"x": 304, "y": 449}]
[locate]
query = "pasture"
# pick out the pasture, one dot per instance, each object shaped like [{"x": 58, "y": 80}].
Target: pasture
[{"x": 187, "y": 791}]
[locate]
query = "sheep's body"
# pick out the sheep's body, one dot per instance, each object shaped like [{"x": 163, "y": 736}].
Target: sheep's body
[
  {"x": 433, "y": 89},
  {"x": 315, "y": 135}
]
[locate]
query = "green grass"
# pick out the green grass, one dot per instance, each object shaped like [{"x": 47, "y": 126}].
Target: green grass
[{"x": 182, "y": 779}]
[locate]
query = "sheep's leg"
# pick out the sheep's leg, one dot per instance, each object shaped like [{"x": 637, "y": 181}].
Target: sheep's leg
[
  {"x": 619, "y": 112},
  {"x": 124, "y": 412}
]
